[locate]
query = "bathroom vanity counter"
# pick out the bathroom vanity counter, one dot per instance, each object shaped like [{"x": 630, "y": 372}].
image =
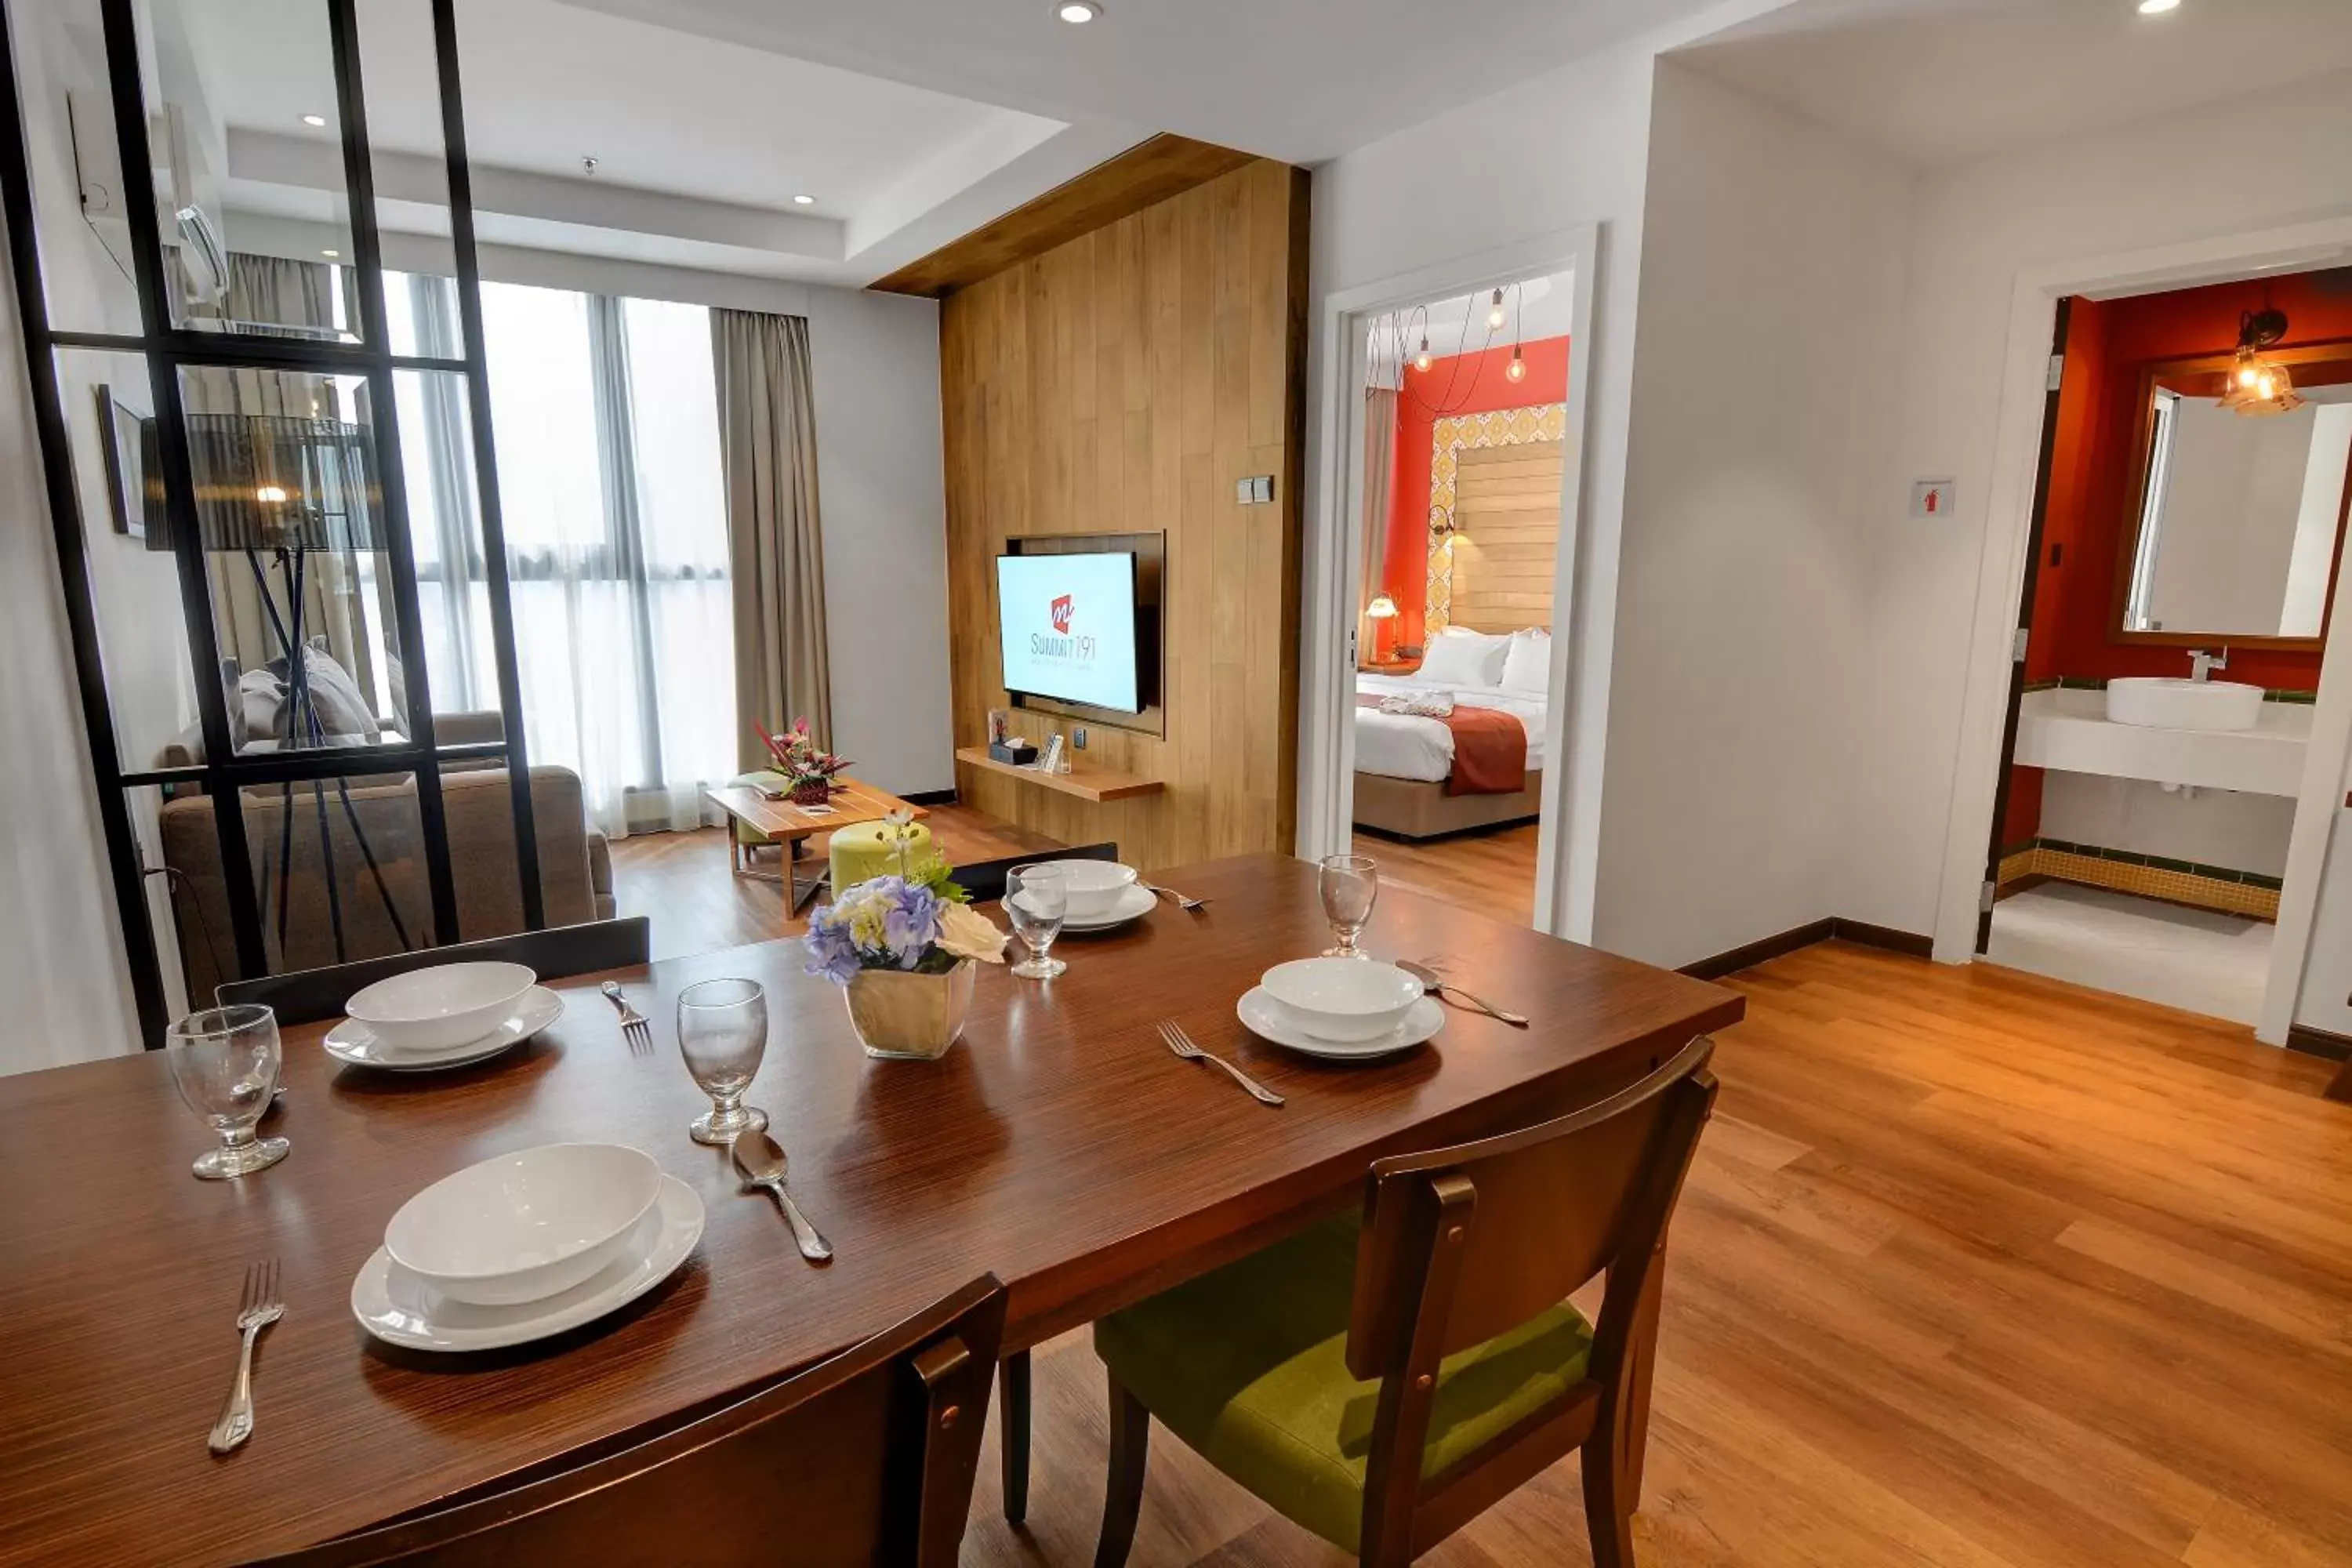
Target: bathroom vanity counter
[{"x": 2069, "y": 730}]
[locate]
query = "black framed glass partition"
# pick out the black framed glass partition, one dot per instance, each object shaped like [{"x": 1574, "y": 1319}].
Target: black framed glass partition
[{"x": 244, "y": 461}]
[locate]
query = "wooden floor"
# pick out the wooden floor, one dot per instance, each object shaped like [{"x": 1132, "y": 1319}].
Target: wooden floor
[
  {"x": 1493, "y": 872},
  {"x": 682, "y": 882},
  {"x": 1974, "y": 1269}
]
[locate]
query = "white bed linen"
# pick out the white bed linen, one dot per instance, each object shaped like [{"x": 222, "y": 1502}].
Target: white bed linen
[{"x": 1404, "y": 746}]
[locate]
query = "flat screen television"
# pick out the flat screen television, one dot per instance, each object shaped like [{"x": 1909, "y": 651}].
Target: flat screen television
[{"x": 1069, "y": 630}]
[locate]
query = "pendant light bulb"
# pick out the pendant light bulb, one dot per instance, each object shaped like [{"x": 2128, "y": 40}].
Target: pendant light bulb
[
  {"x": 1518, "y": 369},
  {"x": 1494, "y": 317},
  {"x": 1421, "y": 361}
]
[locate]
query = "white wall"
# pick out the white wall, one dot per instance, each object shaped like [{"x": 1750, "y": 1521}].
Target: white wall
[
  {"x": 61, "y": 949},
  {"x": 1771, "y": 260},
  {"x": 1980, "y": 227},
  {"x": 2215, "y": 826}
]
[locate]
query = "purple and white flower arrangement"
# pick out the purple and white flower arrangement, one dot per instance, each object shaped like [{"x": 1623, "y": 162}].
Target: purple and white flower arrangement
[{"x": 917, "y": 924}]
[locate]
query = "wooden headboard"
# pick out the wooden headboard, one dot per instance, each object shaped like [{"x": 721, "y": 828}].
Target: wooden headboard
[{"x": 1507, "y": 535}]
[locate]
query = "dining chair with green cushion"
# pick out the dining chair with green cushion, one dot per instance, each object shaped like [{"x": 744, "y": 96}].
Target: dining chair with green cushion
[{"x": 1383, "y": 1378}]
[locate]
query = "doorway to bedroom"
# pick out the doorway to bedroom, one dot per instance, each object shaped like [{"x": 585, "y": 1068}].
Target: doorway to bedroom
[{"x": 1465, "y": 423}]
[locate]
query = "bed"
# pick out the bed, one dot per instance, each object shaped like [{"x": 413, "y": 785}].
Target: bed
[{"x": 1404, "y": 761}]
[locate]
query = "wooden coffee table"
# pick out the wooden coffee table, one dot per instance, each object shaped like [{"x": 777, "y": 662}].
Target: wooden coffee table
[{"x": 793, "y": 826}]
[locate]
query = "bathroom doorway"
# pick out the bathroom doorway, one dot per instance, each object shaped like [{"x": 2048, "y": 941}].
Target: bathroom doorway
[{"x": 2182, "y": 563}]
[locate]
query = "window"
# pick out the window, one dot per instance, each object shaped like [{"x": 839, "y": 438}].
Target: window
[{"x": 611, "y": 487}]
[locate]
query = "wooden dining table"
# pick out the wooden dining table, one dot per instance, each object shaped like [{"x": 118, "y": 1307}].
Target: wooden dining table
[{"x": 1058, "y": 1144}]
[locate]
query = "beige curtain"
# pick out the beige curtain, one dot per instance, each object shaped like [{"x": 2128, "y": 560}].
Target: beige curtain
[
  {"x": 767, "y": 442},
  {"x": 1380, "y": 479}
]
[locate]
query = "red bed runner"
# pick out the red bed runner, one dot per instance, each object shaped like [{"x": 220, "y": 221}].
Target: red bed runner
[{"x": 1490, "y": 749}]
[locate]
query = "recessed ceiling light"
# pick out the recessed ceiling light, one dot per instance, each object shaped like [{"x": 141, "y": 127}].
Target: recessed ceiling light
[
  {"x": 330, "y": 255},
  {"x": 804, "y": 201},
  {"x": 2157, "y": 7},
  {"x": 314, "y": 120},
  {"x": 1076, "y": 12}
]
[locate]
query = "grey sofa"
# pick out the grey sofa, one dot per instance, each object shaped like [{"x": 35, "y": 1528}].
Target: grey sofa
[{"x": 575, "y": 871}]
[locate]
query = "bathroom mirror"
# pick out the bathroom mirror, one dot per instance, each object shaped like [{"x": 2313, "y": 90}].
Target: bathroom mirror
[{"x": 2237, "y": 519}]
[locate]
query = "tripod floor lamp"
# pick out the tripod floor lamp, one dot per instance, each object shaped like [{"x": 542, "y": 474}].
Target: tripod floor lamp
[{"x": 278, "y": 490}]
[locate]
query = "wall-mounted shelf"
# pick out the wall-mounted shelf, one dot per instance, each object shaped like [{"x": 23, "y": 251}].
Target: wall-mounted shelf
[{"x": 1087, "y": 783}]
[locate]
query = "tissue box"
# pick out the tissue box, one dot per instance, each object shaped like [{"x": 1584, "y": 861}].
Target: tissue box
[{"x": 1019, "y": 753}]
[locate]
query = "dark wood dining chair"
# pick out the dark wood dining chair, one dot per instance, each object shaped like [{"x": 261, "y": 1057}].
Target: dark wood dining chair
[
  {"x": 984, "y": 879},
  {"x": 308, "y": 996},
  {"x": 1382, "y": 1379},
  {"x": 868, "y": 1459}
]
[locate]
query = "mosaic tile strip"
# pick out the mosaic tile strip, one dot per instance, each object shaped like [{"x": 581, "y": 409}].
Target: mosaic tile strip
[{"x": 2222, "y": 888}]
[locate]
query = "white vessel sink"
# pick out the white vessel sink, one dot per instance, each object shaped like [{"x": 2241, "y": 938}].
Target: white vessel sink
[{"x": 2167, "y": 702}]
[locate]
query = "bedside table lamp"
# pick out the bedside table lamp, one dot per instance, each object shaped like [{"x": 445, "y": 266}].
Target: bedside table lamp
[{"x": 1380, "y": 611}]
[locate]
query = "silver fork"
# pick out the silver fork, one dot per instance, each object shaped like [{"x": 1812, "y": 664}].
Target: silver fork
[
  {"x": 1181, "y": 1044},
  {"x": 633, "y": 1027},
  {"x": 1188, "y": 905},
  {"x": 258, "y": 1307}
]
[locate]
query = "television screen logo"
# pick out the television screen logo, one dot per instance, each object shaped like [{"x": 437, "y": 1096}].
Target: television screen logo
[{"x": 1062, "y": 614}]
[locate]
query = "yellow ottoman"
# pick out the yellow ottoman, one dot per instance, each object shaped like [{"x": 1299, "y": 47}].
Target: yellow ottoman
[{"x": 868, "y": 849}]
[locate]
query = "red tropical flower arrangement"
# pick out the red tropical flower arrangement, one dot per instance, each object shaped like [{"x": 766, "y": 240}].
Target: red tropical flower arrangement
[{"x": 808, "y": 768}]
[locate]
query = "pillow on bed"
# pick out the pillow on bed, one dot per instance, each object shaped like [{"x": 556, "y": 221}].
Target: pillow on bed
[
  {"x": 1526, "y": 667},
  {"x": 1470, "y": 660}
]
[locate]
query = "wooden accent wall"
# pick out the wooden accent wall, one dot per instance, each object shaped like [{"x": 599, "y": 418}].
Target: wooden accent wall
[
  {"x": 1506, "y": 515},
  {"x": 1121, "y": 383}
]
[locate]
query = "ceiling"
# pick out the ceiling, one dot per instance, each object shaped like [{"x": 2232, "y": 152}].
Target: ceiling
[
  {"x": 700, "y": 146},
  {"x": 1302, "y": 80},
  {"x": 1938, "y": 83},
  {"x": 912, "y": 123}
]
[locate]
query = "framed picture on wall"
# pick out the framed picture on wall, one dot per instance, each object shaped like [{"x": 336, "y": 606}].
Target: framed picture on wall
[{"x": 126, "y": 439}]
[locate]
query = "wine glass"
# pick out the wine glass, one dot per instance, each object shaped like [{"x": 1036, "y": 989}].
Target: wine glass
[
  {"x": 1037, "y": 898},
  {"x": 1349, "y": 884},
  {"x": 225, "y": 1061},
  {"x": 722, "y": 1033}
]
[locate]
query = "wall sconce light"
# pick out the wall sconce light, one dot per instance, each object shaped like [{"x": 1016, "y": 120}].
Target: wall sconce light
[{"x": 2259, "y": 385}]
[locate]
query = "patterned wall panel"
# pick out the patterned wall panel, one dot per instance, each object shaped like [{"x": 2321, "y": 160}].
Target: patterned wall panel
[{"x": 1503, "y": 428}]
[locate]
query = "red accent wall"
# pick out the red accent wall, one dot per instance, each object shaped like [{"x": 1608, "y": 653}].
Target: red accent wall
[
  {"x": 2092, "y": 480},
  {"x": 1460, "y": 383}
]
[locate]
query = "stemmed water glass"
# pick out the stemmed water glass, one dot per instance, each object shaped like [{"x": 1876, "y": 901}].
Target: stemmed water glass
[
  {"x": 225, "y": 1062},
  {"x": 1349, "y": 884},
  {"x": 1037, "y": 898},
  {"x": 722, "y": 1033}
]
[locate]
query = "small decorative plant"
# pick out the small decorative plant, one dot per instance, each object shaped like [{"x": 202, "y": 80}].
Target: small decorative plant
[
  {"x": 808, "y": 768},
  {"x": 904, "y": 950}
]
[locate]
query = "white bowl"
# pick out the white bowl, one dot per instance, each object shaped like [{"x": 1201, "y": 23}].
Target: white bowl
[
  {"x": 447, "y": 1005},
  {"x": 522, "y": 1226},
  {"x": 1094, "y": 887},
  {"x": 1342, "y": 998}
]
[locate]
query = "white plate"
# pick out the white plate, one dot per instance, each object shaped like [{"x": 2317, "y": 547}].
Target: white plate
[
  {"x": 400, "y": 1309},
  {"x": 354, "y": 1042},
  {"x": 1262, "y": 1015},
  {"x": 1133, "y": 903}
]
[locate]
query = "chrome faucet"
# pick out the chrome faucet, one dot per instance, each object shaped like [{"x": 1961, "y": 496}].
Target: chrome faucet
[{"x": 2201, "y": 665}]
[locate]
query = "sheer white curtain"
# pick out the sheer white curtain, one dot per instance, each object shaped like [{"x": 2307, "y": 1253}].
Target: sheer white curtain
[{"x": 610, "y": 488}]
